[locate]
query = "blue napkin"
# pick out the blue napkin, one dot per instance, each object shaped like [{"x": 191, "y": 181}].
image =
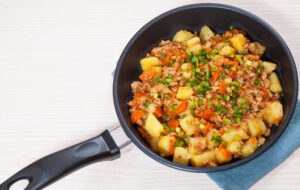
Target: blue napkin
[{"x": 243, "y": 177}]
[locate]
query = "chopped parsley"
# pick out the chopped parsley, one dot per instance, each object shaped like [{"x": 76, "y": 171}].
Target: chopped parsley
[
  {"x": 162, "y": 54},
  {"x": 238, "y": 113},
  {"x": 195, "y": 81},
  {"x": 203, "y": 88},
  {"x": 217, "y": 139},
  {"x": 179, "y": 143},
  {"x": 207, "y": 73},
  {"x": 260, "y": 68},
  {"x": 256, "y": 81},
  {"x": 174, "y": 106},
  {"x": 147, "y": 103}
]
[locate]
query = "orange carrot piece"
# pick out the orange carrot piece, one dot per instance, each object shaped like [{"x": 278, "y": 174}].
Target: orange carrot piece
[
  {"x": 207, "y": 128},
  {"x": 174, "y": 123},
  {"x": 158, "y": 112},
  {"x": 222, "y": 87},
  {"x": 181, "y": 108},
  {"x": 136, "y": 115}
]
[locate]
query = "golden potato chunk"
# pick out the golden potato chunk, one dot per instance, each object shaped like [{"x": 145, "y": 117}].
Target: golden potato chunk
[
  {"x": 184, "y": 92},
  {"x": 257, "y": 127},
  {"x": 269, "y": 67},
  {"x": 213, "y": 138},
  {"x": 197, "y": 145},
  {"x": 182, "y": 35},
  {"x": 181, "y": 156},
  {"x": 249, "y": 147},
  {"x": 149, "y": 62},
  {"x": 193, "y": 46},
  {"x": 206, "y": 33},
  {"x": 238, "y": 41},
  {"x": 275, "y": 85},
  {"x": 234, "y": 134},
  {"x": 166, "y": 145},
  {"x": 234, "y": 147},
  {"x": 204, "y": 159},
  {"x": 189, "y": 125},
  {"x": 153, "y": 126},
  {"x": 273, "y": 113},
  {"x": 227, "y": 51},
  {"x": 222, "y": 155}
]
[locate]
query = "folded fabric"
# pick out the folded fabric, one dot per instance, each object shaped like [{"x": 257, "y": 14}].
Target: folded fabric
[{"x": 243, "y": 177}]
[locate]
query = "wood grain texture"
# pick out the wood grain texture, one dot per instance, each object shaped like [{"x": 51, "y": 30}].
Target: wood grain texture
[{"x": 55, "y": 86}]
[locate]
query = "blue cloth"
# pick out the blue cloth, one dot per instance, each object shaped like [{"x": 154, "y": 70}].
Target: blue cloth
[{"x": 243, "y": 177}]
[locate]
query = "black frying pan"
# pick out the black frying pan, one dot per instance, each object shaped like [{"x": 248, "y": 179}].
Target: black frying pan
[{"x": 104, "y": 147}]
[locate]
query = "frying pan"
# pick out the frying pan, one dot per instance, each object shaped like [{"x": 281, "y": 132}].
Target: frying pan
[{"x": 108, "y": 144}]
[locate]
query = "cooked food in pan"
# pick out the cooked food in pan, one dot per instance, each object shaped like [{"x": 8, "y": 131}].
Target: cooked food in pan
[{"x": 206, "y": 99}]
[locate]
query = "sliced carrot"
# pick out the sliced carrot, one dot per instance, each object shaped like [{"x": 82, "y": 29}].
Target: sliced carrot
[
  {"x": 181, "y": 108},
  {"x": 222, "y": 87},
  {"x": 148, "y": 74},
  {"x": 206, "y": 114},
  {"x": 215, "y": 74},
  {"x": 207, "y": 128},
  {"x": 158, "y": 112},
  {"x": 136, "y": 115},
  {"x": 174, "y": 123},
  {"x": 232, "y": 74},
  {"x": 139, "y": 94}
]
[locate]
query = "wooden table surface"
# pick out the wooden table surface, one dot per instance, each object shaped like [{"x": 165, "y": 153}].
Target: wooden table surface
[{"x": 56, "y": 89}]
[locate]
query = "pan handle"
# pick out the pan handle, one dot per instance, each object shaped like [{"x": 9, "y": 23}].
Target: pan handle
[{"x": 57, "y": 165}]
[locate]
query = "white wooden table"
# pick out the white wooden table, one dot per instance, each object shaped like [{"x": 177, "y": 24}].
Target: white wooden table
[{"x": 56, "y": 89}]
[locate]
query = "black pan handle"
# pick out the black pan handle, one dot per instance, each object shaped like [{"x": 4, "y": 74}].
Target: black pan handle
[{"x": 55, "y": 166}]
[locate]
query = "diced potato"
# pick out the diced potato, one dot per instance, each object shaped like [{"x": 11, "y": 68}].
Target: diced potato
[
  {"x": 195, "y": 49},
  {"x": 149, "y": 62},
  {"x": 210, "y": 142},
  {"x": 189, "y": 125},
  {"x": 181, "y": 156},
  {"x": 273, "y": 113},
  {"x": 222, "y": 155},
  {"x": 227, "y": 51},
  {"x": 165, "y": 145},
  {"x": 204, "y": 159},
  {"x": 257, "y": 127},
  {"x": 193, "y": 46},
  {"x": 192, "y": 42},
  {"x": 184, "y": 92},
  {"x": 234, "y": 147},
  {"x": 182, "y": 35},
  {"x": 244, "y": 127},
  {"x": 153, "y": 126},
  {"x": 206, "y": 33},
  {"x": 275, "y": 85},
  {"x": 234, "y": 134},
  {"x": 249, "y": 147},
  {"x": 269, "y": 66},
  {"x": 187, "y": 70},
  {"x": 197, "y": 145},
  {"x": 238, "y": 41}
]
